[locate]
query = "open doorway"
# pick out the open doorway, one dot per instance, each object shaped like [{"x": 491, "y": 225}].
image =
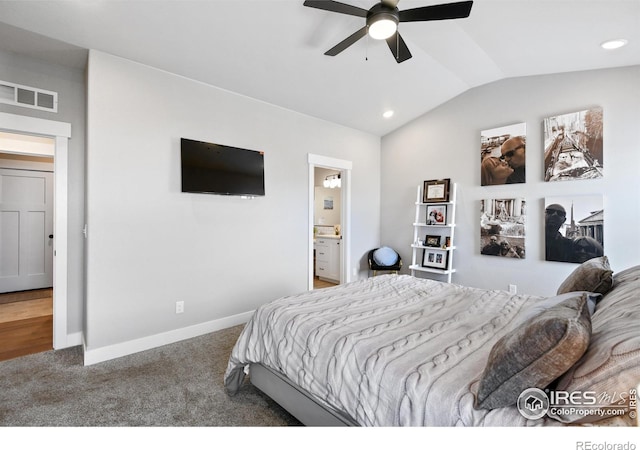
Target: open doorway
[
  {"x": 26, "y": 240},
  {"x": 329, "y": 221},
  {"x": 327, "y": 227},
  {"x": 58, "y": 133}
]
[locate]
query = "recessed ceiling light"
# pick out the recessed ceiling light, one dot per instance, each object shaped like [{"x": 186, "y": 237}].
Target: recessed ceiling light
[
  {"x": 613, "y": 44},
  {"x": 387, "y": 114}
]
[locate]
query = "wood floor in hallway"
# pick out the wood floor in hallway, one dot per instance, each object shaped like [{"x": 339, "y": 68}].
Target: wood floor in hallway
[{"x": 26, "y": 323}]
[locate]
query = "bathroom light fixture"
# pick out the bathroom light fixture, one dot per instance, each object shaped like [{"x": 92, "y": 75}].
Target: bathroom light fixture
[
  {"x": 332, "y": 181},
  {"x": 614, "y": 44},
  {"x": 387, "y": 114}
]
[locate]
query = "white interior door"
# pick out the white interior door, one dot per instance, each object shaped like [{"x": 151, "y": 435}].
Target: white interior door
[{"x": 26, "y": 230}]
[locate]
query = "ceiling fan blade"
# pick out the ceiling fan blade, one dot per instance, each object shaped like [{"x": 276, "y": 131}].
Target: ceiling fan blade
[
  {"x": 338, "y": 7},
  {"x": 347, "y": 42},
  {"x": 457, "y": 10},
  {"x": 399, "y": 48}
]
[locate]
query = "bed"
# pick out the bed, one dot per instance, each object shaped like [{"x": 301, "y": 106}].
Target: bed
[{"x": 396, "y": 350}]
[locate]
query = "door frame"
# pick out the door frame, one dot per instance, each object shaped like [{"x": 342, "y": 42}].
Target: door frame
[
  {"x": 344, "y": 167},
  {"x": 61, "y": 133}
]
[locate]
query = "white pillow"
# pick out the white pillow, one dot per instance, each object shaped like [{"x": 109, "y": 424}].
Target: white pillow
[{"x": 385, "y": 256}]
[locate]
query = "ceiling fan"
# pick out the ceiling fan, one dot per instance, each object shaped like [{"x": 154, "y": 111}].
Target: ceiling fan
[{"x": 383, "y": 18}]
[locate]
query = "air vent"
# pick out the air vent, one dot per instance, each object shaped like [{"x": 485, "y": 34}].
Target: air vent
[{"x": 29, "y": 97}]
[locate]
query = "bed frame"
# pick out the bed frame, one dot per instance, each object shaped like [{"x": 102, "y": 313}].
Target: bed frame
[{"x": 295, "y": 400}]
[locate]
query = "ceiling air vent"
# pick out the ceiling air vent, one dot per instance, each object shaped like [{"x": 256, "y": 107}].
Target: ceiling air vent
[{"x": 30, "y": 97}]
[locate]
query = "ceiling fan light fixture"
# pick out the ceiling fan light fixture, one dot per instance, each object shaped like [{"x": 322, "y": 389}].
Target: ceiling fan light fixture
[{"x": 382, "y": 26}]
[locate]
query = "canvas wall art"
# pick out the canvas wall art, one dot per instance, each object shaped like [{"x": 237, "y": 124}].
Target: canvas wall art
[
  {"x": 573, "y": 146},
  {"x": 502, "y": 227},
  {"x": 502, "y": 155},
  {"x": 574, "y": 228}
]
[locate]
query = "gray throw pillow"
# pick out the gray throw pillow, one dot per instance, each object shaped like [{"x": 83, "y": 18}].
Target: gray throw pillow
[
  {"x": 536, "y": 353},
  {"x": 594, "y": 275}
]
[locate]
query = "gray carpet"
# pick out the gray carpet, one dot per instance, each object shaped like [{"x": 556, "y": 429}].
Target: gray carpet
[{"x": 175, "y": 385}]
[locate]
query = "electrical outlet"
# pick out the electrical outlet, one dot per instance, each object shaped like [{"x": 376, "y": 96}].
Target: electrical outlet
[
  {"x": 513, "y": 289},
  {"x": 179, "y": 307}
]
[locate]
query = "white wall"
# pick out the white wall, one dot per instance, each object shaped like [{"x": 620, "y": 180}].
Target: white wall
[
  {"x": 445, "y": 143},
  {"x": 70, "y": 86},
  {"x": 149, "y": 245}
]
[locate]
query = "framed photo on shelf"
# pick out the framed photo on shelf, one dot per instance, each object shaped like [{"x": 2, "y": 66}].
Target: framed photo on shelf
[
  {"x": 435, "y": 259},
  {"x": 432, "y": 241},
  {"x": 436, "y": 191},
  {"x": 436, "y": 215}
]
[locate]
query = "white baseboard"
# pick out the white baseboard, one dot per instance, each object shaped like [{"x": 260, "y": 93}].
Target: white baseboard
[{"x": 101, "y": 354}]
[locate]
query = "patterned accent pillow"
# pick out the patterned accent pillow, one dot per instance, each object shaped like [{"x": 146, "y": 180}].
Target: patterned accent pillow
[
  {"x": 594, "y": 275},
  {"x": 536, "y": 353}
]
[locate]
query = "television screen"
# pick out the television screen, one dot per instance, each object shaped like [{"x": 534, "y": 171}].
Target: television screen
[{"x": 220, "y": 169}]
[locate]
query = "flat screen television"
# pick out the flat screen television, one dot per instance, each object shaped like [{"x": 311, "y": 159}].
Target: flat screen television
[{"x": 220, "y": 169}]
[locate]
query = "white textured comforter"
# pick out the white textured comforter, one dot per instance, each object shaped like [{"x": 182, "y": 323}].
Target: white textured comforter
[{"x": 388, "y": 351}]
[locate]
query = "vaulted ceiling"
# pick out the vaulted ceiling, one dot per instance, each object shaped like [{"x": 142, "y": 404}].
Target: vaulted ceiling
[{"x": 273, "y": 50}]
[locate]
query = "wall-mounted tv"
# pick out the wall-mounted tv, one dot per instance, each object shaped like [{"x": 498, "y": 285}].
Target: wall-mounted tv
[{"x": 220, "y": 169}]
